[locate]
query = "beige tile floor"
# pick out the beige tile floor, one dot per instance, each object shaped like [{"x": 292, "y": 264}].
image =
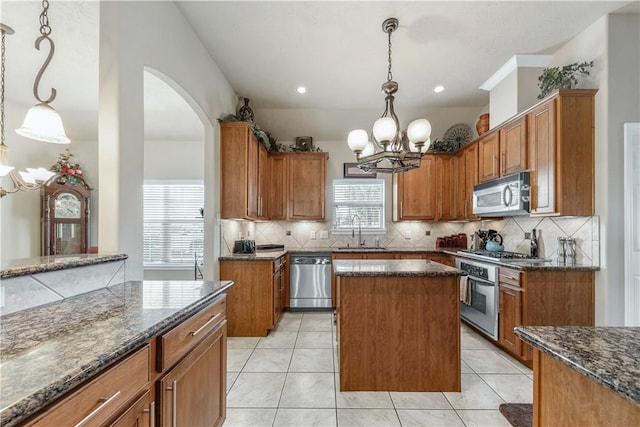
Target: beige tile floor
[{"x": 291, "y": 378}]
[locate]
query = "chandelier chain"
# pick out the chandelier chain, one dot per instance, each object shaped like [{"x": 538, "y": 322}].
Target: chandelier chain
[
  {"x": 2, "y": 90},
  {"x": 389, "y": 75},
  {"x": 45, "y": 29}
]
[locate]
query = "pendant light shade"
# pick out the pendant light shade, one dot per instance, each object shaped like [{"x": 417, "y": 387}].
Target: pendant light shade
[
  {"x": 43, "y": 123},
  {"x": 384, "y": 129},
  {"x": 357, "y": 140}
]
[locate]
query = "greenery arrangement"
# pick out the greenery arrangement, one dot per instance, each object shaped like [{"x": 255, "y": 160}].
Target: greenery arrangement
[
  {"x": 443, "y": 146},
  {"x": 561, "y": 77},
  {"x": 69, "y": 172},
  {"x": 262, "y": 136}
]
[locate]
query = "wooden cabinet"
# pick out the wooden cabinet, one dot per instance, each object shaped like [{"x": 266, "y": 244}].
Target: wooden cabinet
[
  {"x": 470, "y": 178},
  {"x": 255, "y": 298},
  {"x": 193, "y": 392},
  {"x": 445, "y": 187},
  {"x": 307, "y": 176},
  {"x": 414, "y": 193},
  {"x": 141, "y": 413},
  {"x": 503, "y": 151},
  {"x": 278, "y": 288},
  {"x": 513, "y": 146},
  {"x": 278, "y": 189},
  {"x": 561, "y": 144},
  {"x": 238, "y": 171},
  {"x": 263, "y": 182},
  {"x": 510, "y": 310},
  {"x": 459, "y": 186},
  {"x": 104, "y": 397}
]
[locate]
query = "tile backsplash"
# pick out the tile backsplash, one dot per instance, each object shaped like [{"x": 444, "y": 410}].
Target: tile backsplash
[{"x": 297, "y": 235}]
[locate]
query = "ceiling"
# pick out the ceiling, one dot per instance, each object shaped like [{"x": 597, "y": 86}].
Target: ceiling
[{"x": 336, "y": 49}]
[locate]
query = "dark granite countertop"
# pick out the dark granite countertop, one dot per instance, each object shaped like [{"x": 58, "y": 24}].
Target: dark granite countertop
[
  {"x": 524, "y": 265},
  {"x": 393, "y": 268},
  {"x": 48, "y": 350},
  {"x": 271, "y": 255},
  {"x": 26, "y": 266},
  {"x": 608, "y": 355}
]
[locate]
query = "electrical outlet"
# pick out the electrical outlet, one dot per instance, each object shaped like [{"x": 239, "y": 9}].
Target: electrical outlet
[
  {"x": 288, "y": 233},
  {"x": 407, "y": 235},
  {"x": 312, "y": 235},
  {"x": 324, "y": 234},
  {"x": 427, "y": 233},
  {"x": 527, "y": 236}
]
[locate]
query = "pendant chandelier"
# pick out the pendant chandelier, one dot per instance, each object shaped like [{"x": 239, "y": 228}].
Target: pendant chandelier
[
  {"x": 388, "y": 151},
  {"x": 32, "y": 179},
  {"x": 42, "y": 122}
]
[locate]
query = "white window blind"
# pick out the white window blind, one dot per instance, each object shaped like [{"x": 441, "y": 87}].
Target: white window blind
[
  {"x": 362, "y": 197},
  {"x": 173, "y": 226}
]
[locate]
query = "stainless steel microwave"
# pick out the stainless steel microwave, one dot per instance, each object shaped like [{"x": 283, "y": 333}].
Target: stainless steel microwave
[{"x": 505, "y": 196}]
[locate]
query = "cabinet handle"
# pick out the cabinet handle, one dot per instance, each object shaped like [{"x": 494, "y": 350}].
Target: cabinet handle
[
  {"x": 99, "y": 408},
  {"x": 465, "y": 208},
  {"x": 174, "y": 403},
  {"x": 494, "y": 164},
  {"x": 401, "y": 205},
  {"x": 503, "y": 167},
  {"x": 152, "y": 414},
  {"x": 197, "y": 331}
]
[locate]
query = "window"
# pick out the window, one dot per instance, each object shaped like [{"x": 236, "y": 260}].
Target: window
[
  {"x": 362, "y": 197},
  {"x": 173, "y": 225}
]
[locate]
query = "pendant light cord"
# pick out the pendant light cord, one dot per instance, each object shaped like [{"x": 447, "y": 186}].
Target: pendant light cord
[{"x": 389, "y": 75}]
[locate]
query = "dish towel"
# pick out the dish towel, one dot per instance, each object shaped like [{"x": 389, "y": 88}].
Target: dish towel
[{"x": 465, "y": 290}]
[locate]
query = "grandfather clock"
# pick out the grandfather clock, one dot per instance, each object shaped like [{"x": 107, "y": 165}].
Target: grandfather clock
[{"x": 65, "y": 218}]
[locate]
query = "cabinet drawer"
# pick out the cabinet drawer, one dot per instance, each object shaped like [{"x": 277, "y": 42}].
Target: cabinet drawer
[
  {"x": 173, "y": 345},
  {"x": 99, "y": 400},
  {"x": 510, "y": 277}
]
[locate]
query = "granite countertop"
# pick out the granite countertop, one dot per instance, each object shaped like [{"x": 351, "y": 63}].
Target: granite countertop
[
  {"x": 524, "y": 265},
  {"x": 608, "y": 355},
  {"x": 393, "y": 268},
  {"x": 271, "y": 255},
  {"x": 26, "y": 266},
  {"x": 48, "y": 350}
]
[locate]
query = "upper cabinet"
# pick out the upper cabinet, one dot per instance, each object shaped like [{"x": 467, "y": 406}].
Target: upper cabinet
[
  {"x": 239, "y": 176},
  {"x": 307, "y": 182},
  {"x": 256, "y": 185},
  {"x": 414, "y": 192},
  {"x": 503, "y": 151},
  {"x": 445, "y": 186},
  {"x": 561, "y": 147}
]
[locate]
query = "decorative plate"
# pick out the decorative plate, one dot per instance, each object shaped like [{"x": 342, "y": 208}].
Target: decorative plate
[{"x": 459, "y": 134}]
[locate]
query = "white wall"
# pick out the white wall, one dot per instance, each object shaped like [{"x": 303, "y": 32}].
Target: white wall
[
  {"x": 503, "y": 100},
  {"x": 612, "y": 42},
  {"x": 174, "y": 159},
  {"x": 169, "y": 46}
]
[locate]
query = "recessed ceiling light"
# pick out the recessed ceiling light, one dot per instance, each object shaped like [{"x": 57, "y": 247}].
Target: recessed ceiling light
[
  {"x": 302, "y": 89},
  {"x": 438, "y": 89}
]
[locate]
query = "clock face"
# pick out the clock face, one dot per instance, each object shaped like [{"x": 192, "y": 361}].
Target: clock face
[{"x": 67, "y": 206}]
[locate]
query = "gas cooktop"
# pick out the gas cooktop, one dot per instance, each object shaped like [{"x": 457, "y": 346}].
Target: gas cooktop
[{"x": 503, "y": 256}]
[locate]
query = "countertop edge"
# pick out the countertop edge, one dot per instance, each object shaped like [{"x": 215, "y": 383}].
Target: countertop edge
[
  {"x": 517, "y": 265},
  {"x": 546, "y": 348},
  {"x": 43, "y": 267},
  {"x": 30, "y": 405}
]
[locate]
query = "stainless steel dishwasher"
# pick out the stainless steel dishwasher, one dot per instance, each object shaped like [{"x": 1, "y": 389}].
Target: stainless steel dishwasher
[{"x": 310, "y": 283}]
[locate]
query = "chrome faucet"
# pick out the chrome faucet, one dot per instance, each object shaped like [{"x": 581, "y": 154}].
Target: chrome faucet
[{"x": 353, "y": 229}]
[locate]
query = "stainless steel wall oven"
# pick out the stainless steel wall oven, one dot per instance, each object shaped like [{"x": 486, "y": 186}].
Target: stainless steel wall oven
[{"x": 482, "y": 312}]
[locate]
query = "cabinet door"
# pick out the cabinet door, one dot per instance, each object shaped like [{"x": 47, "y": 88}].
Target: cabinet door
[
  {"x": 510, "y": 316},
  {"x": 263, "y": 181},
  {"x": 445, "y": 187},
  {"x": 284, "y": 283},
  {"x": 513, "y": 147},
  {"x": 488, "y": 151},
  {"x": 141, "y": 413},
  {"x": 307, "y": 186},
  {"x": 415, "y": 192},
  {"x": 253, "y": 188},
  {"x": 238, "y": 171},
  {"x": 277, "y": 189},
  {"x": 193, "y": 393},
  {"x": 459, "y": 186},
  {"x": 542, "y": 146},
  {"x": 471, "y": 177}
]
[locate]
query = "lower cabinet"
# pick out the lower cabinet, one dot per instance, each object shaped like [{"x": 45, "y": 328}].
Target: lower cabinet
[
  {"x": 186, "y": 388},
  {"x": 510, "y": 313},
  {"x": 193, "y": 392}
]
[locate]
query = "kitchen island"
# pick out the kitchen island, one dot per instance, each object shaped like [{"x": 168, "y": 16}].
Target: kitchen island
[
  {"x": 584, "y": 375},
  {"x": 398, "y": 325}
]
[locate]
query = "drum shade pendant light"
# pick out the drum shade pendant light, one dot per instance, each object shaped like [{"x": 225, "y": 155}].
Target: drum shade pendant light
[
  {"x": 388, "y": 151},
  {"x": 42, "y": 122},
  {"x": 32, "y": 179}
]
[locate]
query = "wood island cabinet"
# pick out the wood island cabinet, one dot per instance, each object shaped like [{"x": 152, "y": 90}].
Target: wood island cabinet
[
  {"x": 183, "y": 369},
  {"x": 561, "y": 143},
  {"x": 307, "y": 176},
  {"x": 414, "y": 192}
]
